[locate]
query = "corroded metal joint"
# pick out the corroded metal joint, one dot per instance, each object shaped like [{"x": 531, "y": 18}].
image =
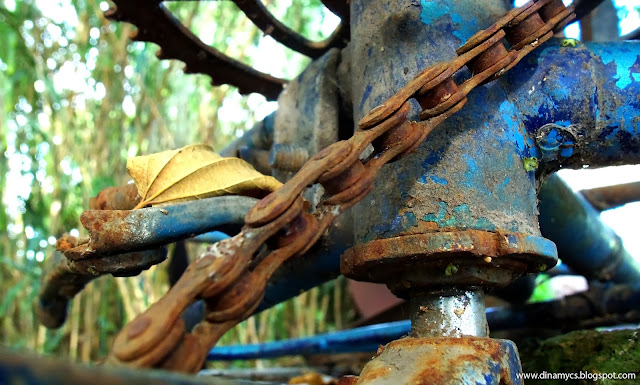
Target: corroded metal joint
[
  {"x": 438, "y": 94},
  {"x": 489, "y": 57},
  {"x": 444, "y": 361},
  {"x": 448, "y": 258}
]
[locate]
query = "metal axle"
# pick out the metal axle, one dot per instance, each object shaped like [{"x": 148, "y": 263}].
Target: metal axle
[{"x": 449, "y": 313}]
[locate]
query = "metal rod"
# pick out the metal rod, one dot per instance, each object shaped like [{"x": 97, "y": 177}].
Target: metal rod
[
  {"x": 448, "y": 313},
  {"x": 610, "y": 197},
  {"x": 28, "y": 368},
  {"x": 117, "y": 231}
]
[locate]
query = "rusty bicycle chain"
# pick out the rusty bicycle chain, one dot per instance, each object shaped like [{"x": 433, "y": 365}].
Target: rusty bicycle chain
[{"x": 231, "y": 275}]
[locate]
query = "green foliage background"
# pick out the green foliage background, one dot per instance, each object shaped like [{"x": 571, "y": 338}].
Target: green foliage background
[{"x": 78, "y": 98}]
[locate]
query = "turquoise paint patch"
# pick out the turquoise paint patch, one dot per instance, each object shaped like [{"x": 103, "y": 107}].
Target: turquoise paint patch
[
  {"x": 623, "y": 66},
  {"x": 509, "y": 114},
  {"x": 472, "y": 171},
  {"x": 442, "y": 211},
  {"x": 461, "y": 217},
  {"x": 424, "y": 179},
  {"x": 433, "y": 10}
]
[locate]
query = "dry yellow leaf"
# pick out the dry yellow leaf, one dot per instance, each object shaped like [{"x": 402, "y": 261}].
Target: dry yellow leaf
[{"x": 193, "y": 172}]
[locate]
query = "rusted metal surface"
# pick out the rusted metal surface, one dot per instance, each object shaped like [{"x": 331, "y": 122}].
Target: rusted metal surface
[
  {"x": 576, "y": 104},
  {"x": 270, "y": 25},
  {"x": 610, "y": 197},
  {"x": 475, "y": 171},
  {"x": 116, "y": 231},
  {"x": 348, "y": 380},
  {"x": 30, "y": 369},
  {"x": 437, "y": 259},
  {"x": 444, "y": 361},
  {"x": 157, "y": 25},
  {"x": 307, "y": 120},
  {"x": 116, "y": 198},
  {"x": 126, "y": 242}
]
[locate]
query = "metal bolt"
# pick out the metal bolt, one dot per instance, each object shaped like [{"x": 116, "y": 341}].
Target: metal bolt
[{"x": 288, "y": 157}]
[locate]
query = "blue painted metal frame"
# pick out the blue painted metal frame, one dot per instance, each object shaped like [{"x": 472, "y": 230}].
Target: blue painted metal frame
[
  {"x": 566, "y": 106},
  {"x": 589, "y": 91}
]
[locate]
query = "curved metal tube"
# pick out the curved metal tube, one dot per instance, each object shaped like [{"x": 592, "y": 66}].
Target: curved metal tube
[
  {"x": 128, "y": 231},
  {"x": 116, "y": 231},
  {"x": 263, "y": 19},
  {"x": 584, "y": 242}
]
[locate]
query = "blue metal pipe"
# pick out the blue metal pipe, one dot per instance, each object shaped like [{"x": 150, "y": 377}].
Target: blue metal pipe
[
  {"x": 362, "y": 339},
  {"x": 578, "y": 103},
  {"x": 566, "y": 313},
  {"x": 585, "y": 243}
]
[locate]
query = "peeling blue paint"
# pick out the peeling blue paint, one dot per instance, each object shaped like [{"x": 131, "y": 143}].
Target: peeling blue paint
[
  {"x": 365, "y": 96},
  {"x": 433, "y": 10},
  {"x": 513, "y": 131},
  {"x": 442, "y": 211},
  {"x": 424, "y": 179},
  {"x": 566, "y": 152},
  {"x": 472, "y": 171},
  {"x": 460, "y": 217},
  {"x": 438, "y": 180},
  {"x": 623, "y": 66},
  {"x": 399, "y": 224}
]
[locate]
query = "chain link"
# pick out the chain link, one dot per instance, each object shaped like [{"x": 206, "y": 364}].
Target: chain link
[{"x": 231, "y": 275}]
